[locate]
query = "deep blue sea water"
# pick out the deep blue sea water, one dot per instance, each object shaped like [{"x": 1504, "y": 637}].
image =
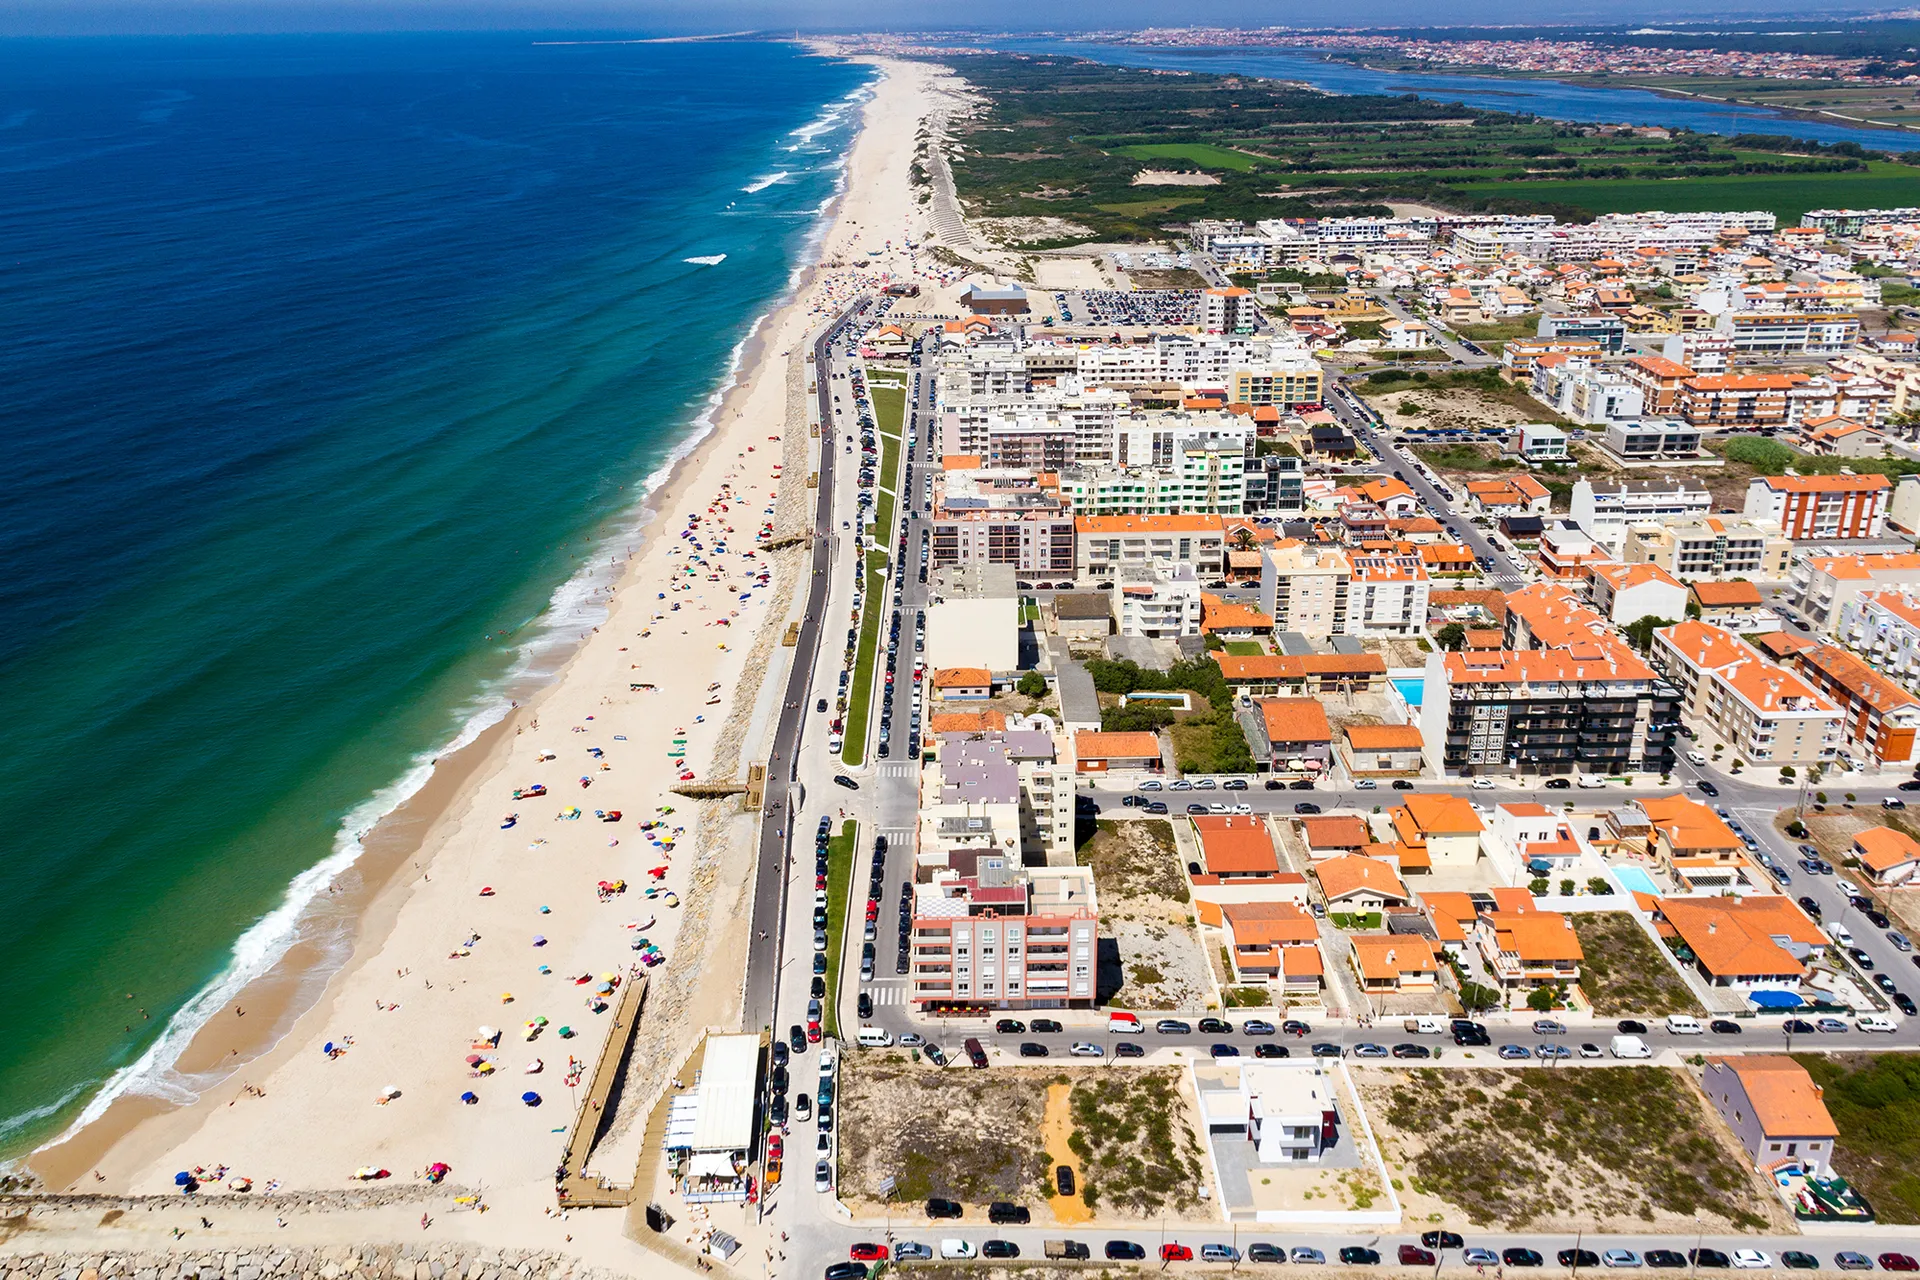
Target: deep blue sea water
[
  {"x": 330, "y": 367},
  {"x": 1553, "y": 99}
]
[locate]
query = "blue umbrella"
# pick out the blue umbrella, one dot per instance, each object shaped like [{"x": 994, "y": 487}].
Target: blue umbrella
[
  {"x": 182, "y": 1179},
  {"x": 469, "y": 1097},
  {"x": 531, "y": 1098},
  {"x": 327, "y": 1047}
]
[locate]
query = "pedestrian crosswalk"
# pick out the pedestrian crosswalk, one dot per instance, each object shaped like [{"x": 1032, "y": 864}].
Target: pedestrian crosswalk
[
  {"x": 896, "y": 769},
  {"x": 896, "y": 834},
  {"x": 894, "y": 992}
]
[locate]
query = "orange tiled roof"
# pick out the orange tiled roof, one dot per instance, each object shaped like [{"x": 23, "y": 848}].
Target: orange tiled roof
[
  {"x": 1230, "y": 615},
  {"x": 1336, "y": 831},
  {"x": 1091, "y": 744},
  {"x": 1274, "y": 666},
  {"x": 1386, "y": 958},
  {"x": 1353, "y": 873},
  {"x": 1295, "y": 720},
  {"x": 1235, "y": 843},
  {"x": 1826, "y": 484},
  {"x": 1883, "y": 848},
  {"x": 1148, "y": 524},
  {"x": 1732, "y": 937},
  {"x": 1270, "y": 924},
  {"x": 1726, "y": 595},
  {"x": 1784, "y": 1097},
  {"x": 1384, "y": 737},
  {"x": 1537, "y": 937},
  {"x": 962, "y": 678},
  {"x": 1687, "y": 824}
]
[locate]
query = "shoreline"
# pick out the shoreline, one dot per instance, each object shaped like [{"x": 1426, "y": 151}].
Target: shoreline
[{"x": 439, "y": 832}]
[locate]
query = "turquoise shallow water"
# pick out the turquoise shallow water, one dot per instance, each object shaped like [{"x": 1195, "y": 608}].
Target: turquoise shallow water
[{"x": 334, "y": 366}]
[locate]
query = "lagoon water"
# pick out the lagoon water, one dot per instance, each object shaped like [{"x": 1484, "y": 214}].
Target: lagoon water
[
  {"x": 335, "y": 369},
  {"x": 1552, "y": 99}
]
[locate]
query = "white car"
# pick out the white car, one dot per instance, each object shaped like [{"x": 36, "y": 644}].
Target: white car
[
  {"x": 1873, "y": 1022},
  {"x": 822, "y": 1176},
  {"x": 1752, "y": 1259},
  {"x": 1086, "y": 1049},
  {"x": 956, "y": 1249},
  {"x": 1365, "y": 784},
  {"x": 1621, "y": 1258},
  {"x": 1483, "y": 784}
]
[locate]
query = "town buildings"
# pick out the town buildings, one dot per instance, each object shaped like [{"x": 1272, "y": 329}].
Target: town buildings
[
  {"x": 1605, "y": 508},
  {"x": 990, "y": 934},
  {"x": 1734, "y": 697},
  {"x": 1824, "y": 508},
  {"x": 1714, "y": 548}
]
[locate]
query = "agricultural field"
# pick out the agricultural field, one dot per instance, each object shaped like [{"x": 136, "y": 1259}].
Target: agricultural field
[
  {"x": 1600, "y": 1148},
  {"x": 1066, "y": 140}
]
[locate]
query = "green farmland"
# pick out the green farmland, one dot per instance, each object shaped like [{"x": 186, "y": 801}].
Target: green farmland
[{"x": 1204, "y": 154}]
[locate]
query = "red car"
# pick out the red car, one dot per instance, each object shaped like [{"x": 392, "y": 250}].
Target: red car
[
  {"x": 813, "y": 1033},
  {"x": 867, "y": 1251},
  {"x": 1898, "y": 1262},
  {"x": 1412, "y": 1255},
  {"x": 1175, "y": 1253}
]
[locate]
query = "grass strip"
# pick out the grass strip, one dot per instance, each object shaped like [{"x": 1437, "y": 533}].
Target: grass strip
[
  {"x": 853, "y": 748},
  {"x": 889, "y": 404},
  {"x": 839, "y": 891}
]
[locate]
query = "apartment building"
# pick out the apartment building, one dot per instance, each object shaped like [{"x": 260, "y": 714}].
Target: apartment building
[
  {"x": 1732, "y": 696},
  {"x": 1651, "y": 440},
  {"x": 1659, "y": 380},
  {"x": 1824, "y": 508},
  {"x": 1736, "y": 401},
  {"x": 1823, "y": 586},
  {"x": 1714, "y": 549},
  {"x": 1775, "y": 334},
  {"x": 1009, "y": 792},
  {"x": 1106, "y": 544},
  {"x": 1609, "y": 331},
  {"x": 1883, "y": 627},
  {"x": 1881, "y": 720},
  {"x": 1625, "y": 593},
  {"x": 1290, "y": 381},
  {"x": 1517, "y": 358},
  {"x": 1229, "y": 310},
  {"x": 1305, "y": 588},
  {"x": 1203, "y": 475},
  {"x": 1387, "y": 596},
  {"x": 988, "y": 934},
  {"x": 1160, "y": 604},
  {"x": 1604, "y": 508},
  {"x": 1004, "y": 516}
]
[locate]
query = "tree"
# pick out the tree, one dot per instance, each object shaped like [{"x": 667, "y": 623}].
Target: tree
[
  {"x": 1640, "y": 634},
  {"x": 1243, "y": 537},
  {"x": 1599, "y": 885},
  {"x": 1033, "y": 684},
  {"x": 1213, "y": 643},
  {"x": 1538, "y": 886},
  {"x": 1786, "y": 773},
  {"x": 1541, "y": 1000},
  {"x": 1474, "y": 996},
  {"x": 1568, "y": 888},
  {"x": 1452, "y": 637}
]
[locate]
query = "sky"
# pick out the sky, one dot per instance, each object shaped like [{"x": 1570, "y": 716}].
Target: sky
[{"x": 106, "y": 17}]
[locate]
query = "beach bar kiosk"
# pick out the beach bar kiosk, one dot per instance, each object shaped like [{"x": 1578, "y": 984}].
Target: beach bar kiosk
[{"x": 710, "y": 1127}]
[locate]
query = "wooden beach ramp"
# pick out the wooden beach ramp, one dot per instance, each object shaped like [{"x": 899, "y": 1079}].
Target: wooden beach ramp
[{"x": 575, "y": 1188}]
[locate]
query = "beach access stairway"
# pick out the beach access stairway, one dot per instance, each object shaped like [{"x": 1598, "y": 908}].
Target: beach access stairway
[{"x": 575, "y": 1188}]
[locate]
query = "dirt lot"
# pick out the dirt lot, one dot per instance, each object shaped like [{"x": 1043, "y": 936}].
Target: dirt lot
[
  {"x": 1595, "y": 1148},
  {"x": 1466, "y": 408},
  {"x": 1623, "y": 972},
  {"x": 1149, "y": 956},
  {"x": 977, "y": 1137}
]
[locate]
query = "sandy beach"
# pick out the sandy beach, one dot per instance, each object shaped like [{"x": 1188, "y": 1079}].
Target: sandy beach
[{"x": 476, "y": 909}]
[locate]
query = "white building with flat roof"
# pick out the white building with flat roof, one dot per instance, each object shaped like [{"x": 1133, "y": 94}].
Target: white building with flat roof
[{"x": 1289, "y": 1110}]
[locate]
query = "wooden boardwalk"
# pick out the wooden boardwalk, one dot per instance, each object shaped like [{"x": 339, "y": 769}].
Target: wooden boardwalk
[{"x": 575, "y": 1188}]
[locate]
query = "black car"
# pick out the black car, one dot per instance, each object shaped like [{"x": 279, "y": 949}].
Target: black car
[
  {"x": 943, "y": 1208},
  {"x": 865, "y": 1005},
  {"x": 1557, "y": 784},
  {"x": 1125, "y": 1251},
  {"x": 1410, "y": 1050},
  {"x": 1063, "y": 1179},
  {"x": 1628, "y": 1027},
  {"x": 777, "y": 1109},
  {"x": 1707, "y": 789},
  {"x": 999, "y": 1249},
  {"x": 1904, "y": 1003},
  {"x": 847, "y": 1271},
  {"x": 1044, "y": 1026},
  {"x": 797, "y": 1037},
  {"x": 1306, "y": 807},
  {"x": 1663, "y": 1258},
  {"x": 1442, "y": 1240},
  {"x": 1128, "y": 1049},
  {"x": 1327, "y": 1050},
  {"x": 1274, "y": 784},
  {"x": 1401, "y": 784},
  {"x": 1470, "y": 1039},
  {"x": 1795, "y": 1260},
  {"x": 842, "y": 780},
  {"x": 975, "y": 1053},
  {"x": 821, "y": 705},
  {"x": 1032, "y": 1049},
  {"x": 1712, "y": 1258},
  {"x": 1577, "y": 1258},
  {"x": 1010, "y": 1026},
  {"x": 1261, "y": 1251},
  {"x": 1355, "y": 1255},
  {"x": 1519, "y": 1257},
  {"x": 1302, "y": 785},
  {"x": 1211, "y": 1027},
  {"x": 1876, "y": 919},
  {"x": 1724, "y": 1027},
  {"x": 1224, "y": 1050},
  {"x": 1002, "y": 1212},
  {"x": 1809, "y": 906},
  {"x": 1797, "y": 1027}
]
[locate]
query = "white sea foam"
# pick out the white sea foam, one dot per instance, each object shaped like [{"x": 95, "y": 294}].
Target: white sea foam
[
  {"x": 707, "y": 260},
  {"x": 761, "y": 184},
  {"x": 575, "y": 607}
]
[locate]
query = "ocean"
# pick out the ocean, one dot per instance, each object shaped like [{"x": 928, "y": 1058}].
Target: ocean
[{"x": 337, "y": 370}]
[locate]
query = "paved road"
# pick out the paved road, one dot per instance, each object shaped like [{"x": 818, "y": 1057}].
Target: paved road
[{"x": 776, "y": 827}]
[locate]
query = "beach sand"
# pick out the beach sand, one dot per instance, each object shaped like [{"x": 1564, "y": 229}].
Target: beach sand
[{"x": 458, "y": 912}]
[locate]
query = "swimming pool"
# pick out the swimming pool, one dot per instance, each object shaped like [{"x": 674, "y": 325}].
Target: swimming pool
[
  {"x": 1634, "y": 880},
  {"x": 1411, "y": 689}
]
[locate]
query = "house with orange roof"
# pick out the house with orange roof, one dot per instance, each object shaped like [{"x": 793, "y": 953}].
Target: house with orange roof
[
  {"x": 1776, "y": 1111},
  {"x": 1235, "y": 846},
  {"x": 1452, "y": 914},
  {"x": 1527, "y": 948},
  {"x": 1733, "y": 697},
  {"x": 1880, "y": 720},
  {"x": 1395, "y": 962},
  {"x": 1392, "y": 496},
  {"x": 1273, "y": 942},
  {"x": 1688, "y": 840},
  {"x": 1719, "y": 603},
  {"x": 1231, "y": 620},
  {"x": 1445, "y": 827},
  {"x": 1334, "y": 835},
  {"x": 1309, "y": 673},
  {"x": 1759, "y": 942},
  {"x": 1890, "y": 857},
  {"x": 963, "y": 684},
  {"x": 1383, "y": 750},
  {"x": 1289, "y": 736},
  {"x": 1833, "y": 436},
  {"x": 1828, "y": 508},
  {"x": 1357, "y": 884},
  {"x": 982, "y": 721},
  {"x": 1100, "y": 752},
  {"x": 1439, "y": 558},
  {"x": 1626, "y": 593}
]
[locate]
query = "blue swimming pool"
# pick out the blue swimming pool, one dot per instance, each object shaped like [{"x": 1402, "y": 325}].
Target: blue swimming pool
[
  {"x": 1634, "y": 880},
  {"x": 1411, "y": 689}
]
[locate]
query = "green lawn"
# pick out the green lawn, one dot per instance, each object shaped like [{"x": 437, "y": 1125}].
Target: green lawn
[
  {"x": 889, "y": 406},
  {"x": 839, "y": 892},
  {"x": 1883, "y": 185},
  {"x": 1245, "y": 648},
  {"x": 1204, "y": 154}
]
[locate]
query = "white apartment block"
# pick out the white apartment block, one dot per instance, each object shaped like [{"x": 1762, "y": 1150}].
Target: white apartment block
[
  {"x": 1305, "y": 589},
  {"x": 1823, "y": 586},
  {"x": 1160, "y": 604},
  {"x": 1604, "y": 508},
  {"x": 1387, "y": 596},
  {"x": 1732, "y": 696},
  {"x": 1883, "y": 627},
  {"x": 1711, "y": 550}
]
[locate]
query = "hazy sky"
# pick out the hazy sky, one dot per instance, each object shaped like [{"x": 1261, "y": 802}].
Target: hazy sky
[{"x": 23, "y": 17}]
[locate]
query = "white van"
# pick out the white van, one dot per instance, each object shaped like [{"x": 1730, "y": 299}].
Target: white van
[
  {"x": 1124, "y": 1024},
  {"x": 874, "y": 1038},
  {"x": 1630, "y": 1047},
  {"x": 1589, "y": 780},
  {"x": 1873, "y": 1022},
  {"x": 1679, "y": 1024},
  {"x": 955, "y": 1249}
]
